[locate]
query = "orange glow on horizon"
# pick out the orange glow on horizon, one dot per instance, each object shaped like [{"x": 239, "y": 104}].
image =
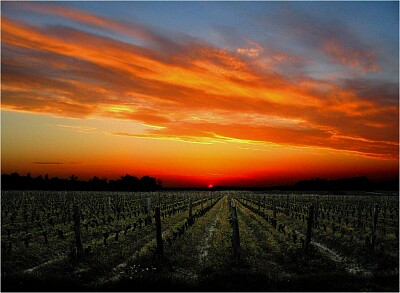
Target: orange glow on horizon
[{"x": 143, "y": 101}]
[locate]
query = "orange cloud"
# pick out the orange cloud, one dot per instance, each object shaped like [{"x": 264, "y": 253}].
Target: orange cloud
[
  {"x": 72, "y": 73},
  {"x": 131, "y": 29},
  {"x": 355, "y": 58},
  {"x": 243, "y": 133},
  {"x": 250, "y": 52}
]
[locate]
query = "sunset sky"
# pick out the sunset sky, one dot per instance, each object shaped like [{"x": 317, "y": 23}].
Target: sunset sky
[{"x": 200, "y": 93}]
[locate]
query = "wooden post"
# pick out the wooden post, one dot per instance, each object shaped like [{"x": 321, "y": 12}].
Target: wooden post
[
  {"x": 236, "y": 235},
  {"x": 190, "y": 218},
  {"x": 157, "y": 217},
  {"x": 359, "y": 214},
  {"x": 374, "y": 224},
  {"x": 287, "y": 205},
  {"x": 376, "y": 211},
  {"x": 309, "y": 226},
  {"x": 190, "y": 207},
  {"x": 77, "y": 228},
  {"x": 316, "y": 210},
  {"x": 274, "y": 208},
  {"x": 148, "y": 209}
]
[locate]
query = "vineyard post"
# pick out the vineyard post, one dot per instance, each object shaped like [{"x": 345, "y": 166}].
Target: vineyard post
[
  {"x": 376, "y": 210},
  {"x": 123, "y": 203},
  {"x": 77, "y": 228},
  {"x": 287, "y": 204},
  {"x": 236, "y": 235},
  {"x": 316, "y": 210},
  {"x": 148, "y": 217},
  {"x": 157, "y": 217},
  {"x": 190, "y": 207},
  {"x": 359, "y": 215},
  {"x": 190, "y": 218},
  {"x": 309, "y": 226}
]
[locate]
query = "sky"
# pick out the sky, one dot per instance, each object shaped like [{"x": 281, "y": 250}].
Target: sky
[{"x": 201, "y": 93}]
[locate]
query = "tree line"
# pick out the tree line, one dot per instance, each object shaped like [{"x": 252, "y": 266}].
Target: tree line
[
  {"x": 360, "y": 183},
  {"x": 126, "y": 183}
]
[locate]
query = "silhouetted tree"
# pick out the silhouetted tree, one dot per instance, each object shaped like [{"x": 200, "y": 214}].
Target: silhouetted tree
[
  {"x": 72, "y": 184},
  {"x": 129, "y": 182},
  {"x": 148, "y": 183},
  {"x": 126, "y": 183},
  {"x": 98, "y": 184}
]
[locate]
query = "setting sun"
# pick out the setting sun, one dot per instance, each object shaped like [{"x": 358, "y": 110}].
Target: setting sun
[
  {"x": 213, "y": 146},
  {"x": 98, "y": 91}
]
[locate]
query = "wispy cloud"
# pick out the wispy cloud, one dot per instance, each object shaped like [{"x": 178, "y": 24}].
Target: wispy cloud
[
  {"x": 48, "y": 163},
  {"x": 55, "y": 163},
  {"x": 79, "y": 128},
  {"x": 168, "y": 80},
  {"x": 351, "y": 56},
  {"x": 327, "y": 36}
]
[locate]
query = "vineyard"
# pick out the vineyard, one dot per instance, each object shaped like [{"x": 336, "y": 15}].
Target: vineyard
[{"x": 199, "y": 241}]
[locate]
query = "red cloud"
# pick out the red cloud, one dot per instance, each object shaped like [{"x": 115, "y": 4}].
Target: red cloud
[
  {"x": 70, "y": 72},
  {"x": 355, "y": 58}
]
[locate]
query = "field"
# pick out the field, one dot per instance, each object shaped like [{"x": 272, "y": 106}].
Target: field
[{"x": 199, "y": 241}]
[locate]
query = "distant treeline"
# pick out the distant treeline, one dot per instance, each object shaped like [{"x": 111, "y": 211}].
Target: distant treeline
[
  {"x": 354, "y": 183},
  {"x": 126, "y": 183},
  {"x": 361, "y": 183},
  {"x": 131, "y": 183}
]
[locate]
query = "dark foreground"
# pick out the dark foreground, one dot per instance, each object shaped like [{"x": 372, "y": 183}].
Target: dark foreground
[
  {"x": 284, "y": 242},
  {"x": 236, "y": 280}
]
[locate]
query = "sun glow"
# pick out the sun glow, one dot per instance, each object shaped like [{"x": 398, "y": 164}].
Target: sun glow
[{"x": 244, "y": 106}]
